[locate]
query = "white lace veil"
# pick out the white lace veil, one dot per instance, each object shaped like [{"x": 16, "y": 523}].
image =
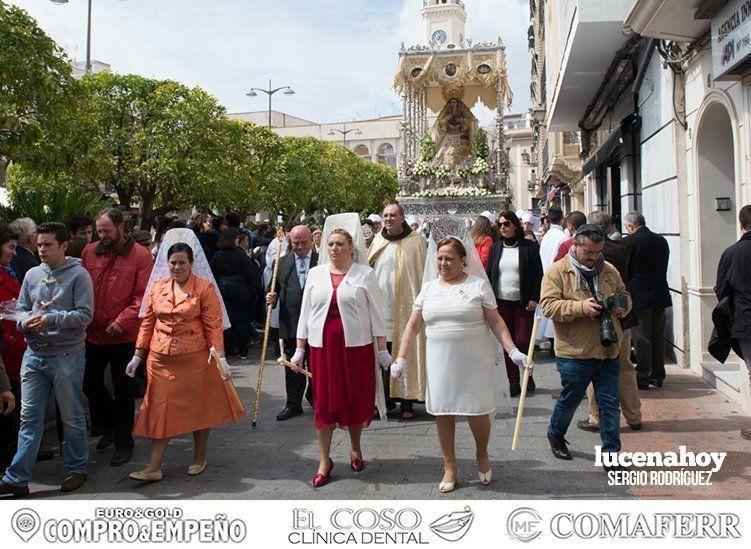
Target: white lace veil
[
  {"x": 350, "y": 222},
  {"x": 456, "y": 227},
  {"x": 440, "y": 229},
  {"x": 201, "y": 267}
]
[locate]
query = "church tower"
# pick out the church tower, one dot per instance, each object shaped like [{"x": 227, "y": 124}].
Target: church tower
[{"x": 444, "y": 23}]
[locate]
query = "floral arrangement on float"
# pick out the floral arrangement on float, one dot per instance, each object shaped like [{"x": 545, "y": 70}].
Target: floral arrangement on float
[
  {"x": 467, "y": 178},
  {"x": 451, "y": 191}
]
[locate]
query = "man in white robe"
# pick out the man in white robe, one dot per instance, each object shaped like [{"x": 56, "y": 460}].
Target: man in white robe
[{"x": 398, "y": 256}]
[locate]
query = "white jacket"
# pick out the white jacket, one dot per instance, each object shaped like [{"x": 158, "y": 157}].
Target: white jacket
[{"x": 359, "y": 300}]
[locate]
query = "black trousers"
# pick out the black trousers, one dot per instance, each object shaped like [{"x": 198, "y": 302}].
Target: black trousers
[
  {"x": 649, "y": 345},
  {"x": 294, "y": 382},
  {"x": 237, "y": 299},
  {"x": 108, "y": 412},
  {"x": 9, "y": 426}
]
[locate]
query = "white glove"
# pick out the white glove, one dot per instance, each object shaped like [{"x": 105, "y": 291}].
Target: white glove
[
  {"x": 130, "y": 369},
  {"x": 298, "y": 357},
  {"x": 520, "y": 359},
  {"x": 384, "y": 359},
  {"x": 398, "y": 367},
  {"x": 227, "y": 369}
]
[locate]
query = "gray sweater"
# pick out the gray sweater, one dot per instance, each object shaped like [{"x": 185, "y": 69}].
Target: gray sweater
[{"x": 66, "y": 296}]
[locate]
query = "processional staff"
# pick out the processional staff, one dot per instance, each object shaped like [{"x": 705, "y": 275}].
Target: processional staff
[
  {"x": 267, "y": 328},
  {"x": 523, "y": 397}
]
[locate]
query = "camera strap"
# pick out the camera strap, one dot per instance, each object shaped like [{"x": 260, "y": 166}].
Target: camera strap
[{"x": 593, "y": 284}]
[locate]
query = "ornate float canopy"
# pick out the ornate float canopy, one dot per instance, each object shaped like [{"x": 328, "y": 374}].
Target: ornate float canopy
[
  {"x": 446, "y": 157},
  {"x": 474, "y": 74}
]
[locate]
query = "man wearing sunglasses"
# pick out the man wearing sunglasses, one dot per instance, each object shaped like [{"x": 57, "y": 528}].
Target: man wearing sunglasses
[{"x": 573, "y": 293}]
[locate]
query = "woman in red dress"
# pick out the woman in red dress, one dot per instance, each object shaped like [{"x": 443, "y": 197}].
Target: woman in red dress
[
  {"x": 13, "y": 347},
  {"x": 340, "y": 317}
]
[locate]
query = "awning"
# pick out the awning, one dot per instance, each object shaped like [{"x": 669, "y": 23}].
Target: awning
[{"x": 603, "y": 152}]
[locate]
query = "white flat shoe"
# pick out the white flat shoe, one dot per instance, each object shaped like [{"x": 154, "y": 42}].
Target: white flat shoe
[
  {"x": 143, "y": 476},
  {"x": 445, "y": 487},
  {"x": 196, "y": 469},
  {"x": 485, "y": 478}
]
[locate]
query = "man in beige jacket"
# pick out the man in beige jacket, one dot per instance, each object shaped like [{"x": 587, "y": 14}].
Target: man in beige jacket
[{"x": 573, "y": 292}]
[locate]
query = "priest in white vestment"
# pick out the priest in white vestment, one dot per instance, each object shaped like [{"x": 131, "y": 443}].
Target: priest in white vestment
[{"x": 398, "y": 256}]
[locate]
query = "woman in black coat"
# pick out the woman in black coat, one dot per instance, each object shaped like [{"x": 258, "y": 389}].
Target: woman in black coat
[
  {"x": 515, "y": 271},
  {"x": 239, "y": 281}
]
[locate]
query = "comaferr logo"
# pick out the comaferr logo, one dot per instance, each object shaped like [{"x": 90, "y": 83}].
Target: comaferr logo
[{"x": 657, "y": 526}]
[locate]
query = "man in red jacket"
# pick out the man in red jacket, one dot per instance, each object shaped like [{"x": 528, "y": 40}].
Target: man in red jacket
[{"x": 120, "y": 270}]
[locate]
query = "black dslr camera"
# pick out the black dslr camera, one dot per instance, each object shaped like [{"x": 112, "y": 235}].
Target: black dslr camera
[{"x": 611, "y": 304}]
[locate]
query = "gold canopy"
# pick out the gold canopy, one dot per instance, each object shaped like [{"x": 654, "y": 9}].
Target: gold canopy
[{"x": 469, "y": 75}]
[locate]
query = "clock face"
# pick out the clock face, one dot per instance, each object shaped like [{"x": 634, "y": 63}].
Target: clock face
[{"x": 439, "y": 36}]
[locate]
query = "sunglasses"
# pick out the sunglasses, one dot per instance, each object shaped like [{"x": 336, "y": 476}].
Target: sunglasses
[{"x": 504, "y": 223}]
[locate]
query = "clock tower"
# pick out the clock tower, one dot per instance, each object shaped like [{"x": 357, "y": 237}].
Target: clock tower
[{"x": 444, "y": 22}]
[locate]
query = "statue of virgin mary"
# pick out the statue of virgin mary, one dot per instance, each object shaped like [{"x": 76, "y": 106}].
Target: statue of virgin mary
[{"x": 454, "y": 131}]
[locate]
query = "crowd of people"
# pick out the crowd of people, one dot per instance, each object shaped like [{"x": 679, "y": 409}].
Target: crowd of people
[{"x": 372, "y": 314}]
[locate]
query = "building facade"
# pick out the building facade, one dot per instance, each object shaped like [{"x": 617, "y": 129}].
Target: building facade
[{"x": 659, "y": 95}]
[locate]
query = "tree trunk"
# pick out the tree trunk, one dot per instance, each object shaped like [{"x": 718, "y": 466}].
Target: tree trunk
[{"x": 147, "y": 211}]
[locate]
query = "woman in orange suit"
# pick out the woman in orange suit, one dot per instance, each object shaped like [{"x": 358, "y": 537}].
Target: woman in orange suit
[{"x": 182, "y": 321}]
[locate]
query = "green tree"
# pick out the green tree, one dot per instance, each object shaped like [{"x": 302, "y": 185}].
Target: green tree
[
  {"x": 45, "y": 199},
  {"x": 319, "y": 178},
  {"x": 257, "y": 154},
  {"x": 163, "y": 146},
  {"x": 37, "y": 91}
]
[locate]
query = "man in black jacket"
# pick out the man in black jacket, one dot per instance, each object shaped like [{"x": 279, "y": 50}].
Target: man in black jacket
[
  {"x": 515, "y": 272},
  {"x": 26, "y": 251},
  {"x": 209, "y": 238},
  {"x": 734, "y": 282},
  {"x": 648, "y": 285},
  {"x": 290, "y": 283}
]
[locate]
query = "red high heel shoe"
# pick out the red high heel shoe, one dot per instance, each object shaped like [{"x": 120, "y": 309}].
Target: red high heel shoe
[
  {"x": 357, "y": 464},
  {"x": 322, "y": 478}
]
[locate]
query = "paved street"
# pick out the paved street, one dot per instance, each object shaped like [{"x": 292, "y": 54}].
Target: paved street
[{"x": 277, "y": 460}]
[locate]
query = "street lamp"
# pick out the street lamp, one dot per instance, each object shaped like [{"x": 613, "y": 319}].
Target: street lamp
[
  {"x": 88, "y": 31},
  {"x": 345, "y": 132},
  {"x": 270, "y": 92}
]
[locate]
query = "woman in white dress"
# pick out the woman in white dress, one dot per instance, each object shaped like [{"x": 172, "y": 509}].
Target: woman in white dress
[{"x": 457, "y": 309}]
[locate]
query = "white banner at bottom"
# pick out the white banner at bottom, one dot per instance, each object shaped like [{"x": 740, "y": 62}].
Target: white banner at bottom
[{"x": 451, "y": 523}]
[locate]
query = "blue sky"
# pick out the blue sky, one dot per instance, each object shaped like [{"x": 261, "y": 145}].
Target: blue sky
[{"x": 339, "y": 56}]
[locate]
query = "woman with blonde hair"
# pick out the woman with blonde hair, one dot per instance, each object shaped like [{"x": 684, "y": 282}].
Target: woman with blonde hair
[
  {"x": 481, "y": 233},
  {"x": 340, "y": 319}
]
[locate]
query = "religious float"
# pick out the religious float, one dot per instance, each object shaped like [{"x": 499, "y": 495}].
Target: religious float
[{"x": 448, "y": 164}]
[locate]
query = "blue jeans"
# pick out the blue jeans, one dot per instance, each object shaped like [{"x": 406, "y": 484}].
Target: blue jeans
[
  {"x": 576, "y": 375},
  {"x": 39, "y": 376}
]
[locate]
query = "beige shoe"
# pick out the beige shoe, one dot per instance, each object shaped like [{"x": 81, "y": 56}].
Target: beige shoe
[
  {"x": 143, "y": 476},
  {"x": 485, "y": 478},
  {"x": 194, "y": 469},
  {"x": 446, "y": 487}
]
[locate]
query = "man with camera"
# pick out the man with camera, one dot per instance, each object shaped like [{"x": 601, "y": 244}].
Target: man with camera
[
  {"x": 585, "y": 297},
  {"x": 618, "y": 254}
]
